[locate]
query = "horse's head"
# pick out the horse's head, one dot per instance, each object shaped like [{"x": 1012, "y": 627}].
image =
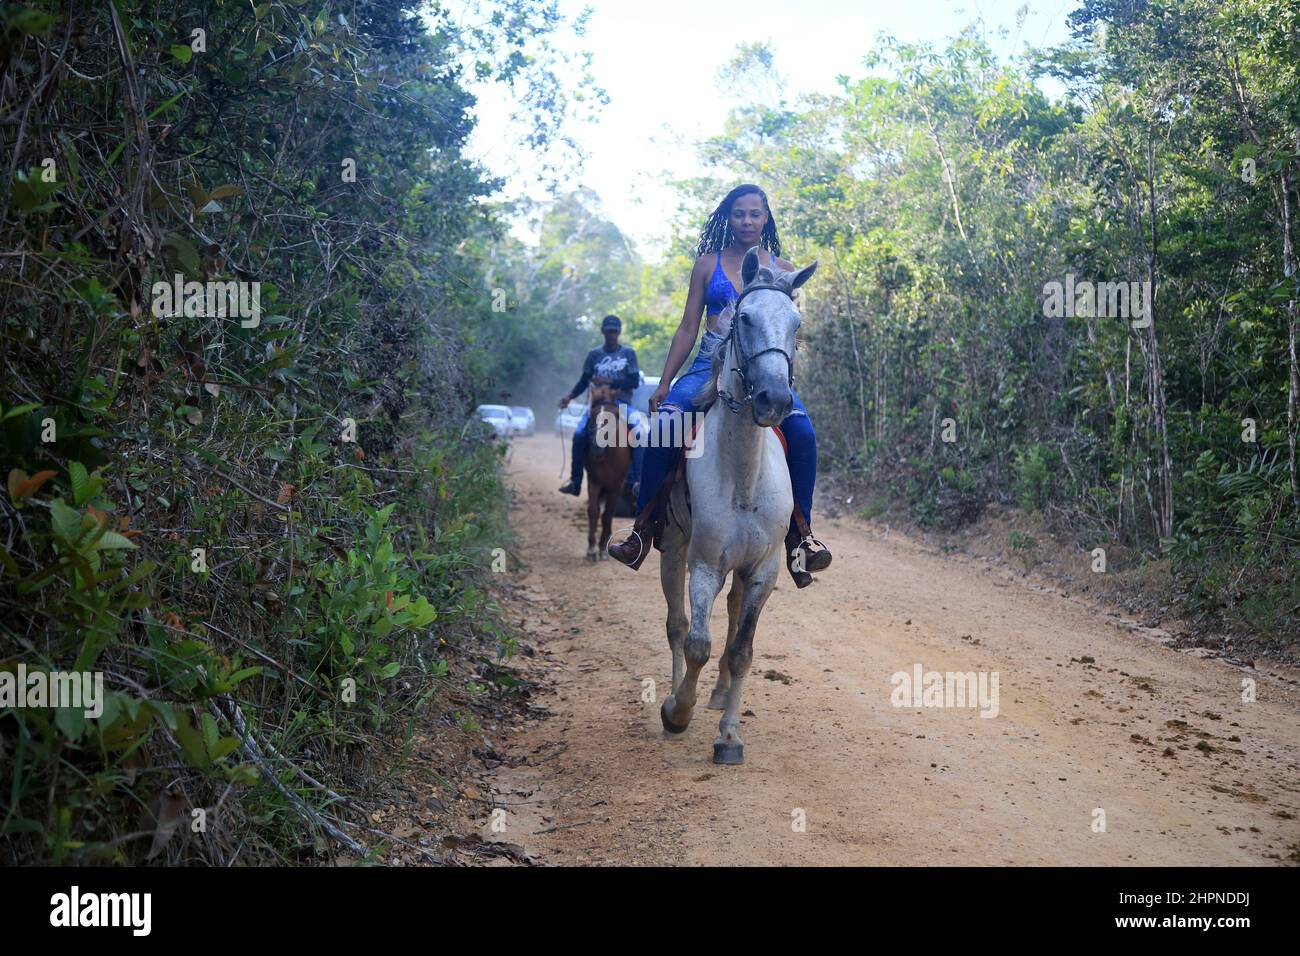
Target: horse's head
[
  {"x": 602, "y": 392},
  {"x": 755, "y": 362}
]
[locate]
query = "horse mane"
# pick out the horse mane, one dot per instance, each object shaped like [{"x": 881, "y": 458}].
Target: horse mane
[{"x": 707, "y": 396}]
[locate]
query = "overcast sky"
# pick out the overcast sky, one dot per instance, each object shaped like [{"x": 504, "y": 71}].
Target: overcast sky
[{"x": 657, "y": 62}]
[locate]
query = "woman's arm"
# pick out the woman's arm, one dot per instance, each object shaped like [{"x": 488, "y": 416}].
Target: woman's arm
[{"x": 687, "y": 330}]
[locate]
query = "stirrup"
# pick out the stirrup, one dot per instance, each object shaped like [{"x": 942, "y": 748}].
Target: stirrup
[
  {"x": 814, "y": 560},
  {"x": 642, "y": 550}
]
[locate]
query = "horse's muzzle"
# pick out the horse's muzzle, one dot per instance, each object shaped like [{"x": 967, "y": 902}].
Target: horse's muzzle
[{"x": 771, "y": 405}]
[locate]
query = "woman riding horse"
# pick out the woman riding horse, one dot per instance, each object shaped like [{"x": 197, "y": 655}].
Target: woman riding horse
[{"x": 742, "y": 220}]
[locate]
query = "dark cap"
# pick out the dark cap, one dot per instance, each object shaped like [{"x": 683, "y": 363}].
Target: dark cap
[{"x": 611, "y": 322}]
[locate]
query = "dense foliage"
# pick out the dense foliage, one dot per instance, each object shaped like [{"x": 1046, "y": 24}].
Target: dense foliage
[
  {"x": 944, "y": 193},
  {"x": 268, "y": 531}
]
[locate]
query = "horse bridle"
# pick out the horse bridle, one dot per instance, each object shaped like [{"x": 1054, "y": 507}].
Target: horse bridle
[
  {"x": 748, "y": 396},
  {"x": 598, "y": 448}
]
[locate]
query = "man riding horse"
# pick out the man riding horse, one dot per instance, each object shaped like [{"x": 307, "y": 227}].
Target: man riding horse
[{"x": 617, "y": 365}]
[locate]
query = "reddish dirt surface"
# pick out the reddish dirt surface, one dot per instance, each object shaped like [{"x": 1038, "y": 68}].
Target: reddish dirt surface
[{"x": 1095, "y": 713}]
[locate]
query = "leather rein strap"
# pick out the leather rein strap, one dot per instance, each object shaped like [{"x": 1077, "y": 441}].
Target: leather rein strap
[{"x": 733, "y": 337}]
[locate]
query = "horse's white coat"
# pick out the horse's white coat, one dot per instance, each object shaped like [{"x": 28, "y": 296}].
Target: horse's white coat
[{"x": 741, "y": 504}]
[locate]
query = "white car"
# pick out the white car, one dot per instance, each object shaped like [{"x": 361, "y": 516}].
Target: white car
[
  {"x": 641, "y": 396},
  {"x": 496, "y": 416},
  {"x": 566, "y": 422},
  {"x": 523, "y": 421}
]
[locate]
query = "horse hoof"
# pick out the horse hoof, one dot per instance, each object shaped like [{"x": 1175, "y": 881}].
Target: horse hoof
[
  {"x": 591, "y": 556},
  {"x": 669, "y": 726},
  {"x": 732, "y": 752},
  {"x": 602, "y": 555},
  {"x": 718, "y": 700}
]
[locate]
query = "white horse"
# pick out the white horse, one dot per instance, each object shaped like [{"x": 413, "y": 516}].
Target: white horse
[{"x": 740, "y": 489}]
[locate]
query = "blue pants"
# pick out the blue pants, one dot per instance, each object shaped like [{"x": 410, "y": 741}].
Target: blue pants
[
  {"x": 581, "y": 437},
  {"x": 797, "y": 428}
]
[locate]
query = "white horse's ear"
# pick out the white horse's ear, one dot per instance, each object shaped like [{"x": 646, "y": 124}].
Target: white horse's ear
[
  {"x": 749, "y": 268},
  {"x": 803, "y": 275}
]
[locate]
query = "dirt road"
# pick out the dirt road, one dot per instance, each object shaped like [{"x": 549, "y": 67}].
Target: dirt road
[{"x": 1108, "y": 747}]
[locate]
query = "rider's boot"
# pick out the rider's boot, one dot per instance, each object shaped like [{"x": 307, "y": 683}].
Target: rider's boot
[
  {"x": 633, "y": 550},
  {"x": 572, "y": 487},
  {"x": 800, "y": 558},
  {"x": 818, "y": 560}
]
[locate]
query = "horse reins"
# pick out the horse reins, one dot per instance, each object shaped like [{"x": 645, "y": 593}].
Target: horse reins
[{"x": 734, "y": 338}]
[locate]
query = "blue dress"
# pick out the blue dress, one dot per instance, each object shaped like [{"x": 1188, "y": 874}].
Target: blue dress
[{"x": 797, "y": 427}]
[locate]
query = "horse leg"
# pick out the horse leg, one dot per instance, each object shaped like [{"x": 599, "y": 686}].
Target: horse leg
[
  {"x": 607, "y": 519},
  {"x": 672, "y": 576},
  {"x": 718, "y": 699},
  {"x": 593, "y": 512},
  {"x": 729, "y": 748},
  {"x": 706, "y": 582}
]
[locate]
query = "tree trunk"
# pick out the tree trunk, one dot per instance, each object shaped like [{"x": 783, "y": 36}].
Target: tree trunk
[
  {"x": 853, "y": 341},
  {"x": 1293, "y": 384},
  {"x": 1157, "y": 374}
]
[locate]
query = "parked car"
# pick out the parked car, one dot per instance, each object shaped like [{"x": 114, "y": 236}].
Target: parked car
[
  {"x": 498, "y": 417},
  {"x": 523, "y": 421},
  {"x": 566, "y": 422}
]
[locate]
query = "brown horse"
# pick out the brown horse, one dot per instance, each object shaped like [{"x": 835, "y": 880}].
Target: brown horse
[{"x": 606, "y": 466}]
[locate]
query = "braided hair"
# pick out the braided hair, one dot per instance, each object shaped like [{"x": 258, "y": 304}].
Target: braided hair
[{"x": 717, "y": 234}]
